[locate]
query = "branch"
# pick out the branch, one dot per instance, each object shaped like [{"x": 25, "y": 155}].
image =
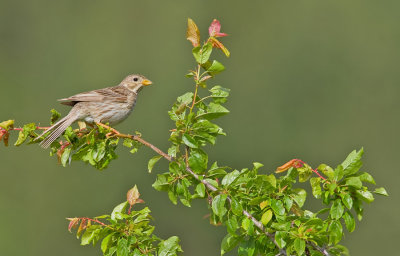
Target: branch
[{"x": 147, "y": 144}]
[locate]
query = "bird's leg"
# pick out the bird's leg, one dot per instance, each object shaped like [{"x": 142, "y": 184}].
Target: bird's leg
[{"x": 113, "y": 131}]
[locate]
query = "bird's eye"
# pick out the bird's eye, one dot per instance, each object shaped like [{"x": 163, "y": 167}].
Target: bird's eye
[{"x": 135, "y": 79}]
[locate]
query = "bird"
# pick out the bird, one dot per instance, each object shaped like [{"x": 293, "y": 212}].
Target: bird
[{"x": 110, "y": 105}]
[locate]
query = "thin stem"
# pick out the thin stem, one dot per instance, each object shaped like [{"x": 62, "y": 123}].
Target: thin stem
[
  {"x": 147, "y": 144},
  {"x": 197, "y": 87},
  {"x": 319, "y": 175},
  {"x": 21, "y": 129},
  {"x": 318, "y": 248},
  {"x": 200, "y": 100},
  {"x": 97, "y": 221}
]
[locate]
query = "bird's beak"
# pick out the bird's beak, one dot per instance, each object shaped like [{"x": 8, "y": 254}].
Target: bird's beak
[{"x": 146, "y": 82}]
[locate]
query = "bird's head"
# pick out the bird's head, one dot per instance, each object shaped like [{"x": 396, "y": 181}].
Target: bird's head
[{"x": 135, "y": 83}]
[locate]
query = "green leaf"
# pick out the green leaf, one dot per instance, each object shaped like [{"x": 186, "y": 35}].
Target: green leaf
[
  {"x": 189, "y": 141},
  {"x": 201, "y": 190},
  {"x": 91, "y": 234},
  {"x": 354, "y": 182},
  {"x": 305, "y": 172},
  {"x": 55, "y": 115},
  {"x": 229, "y": 242},
  {"x": 173, "y": 150},
  {"x": 128, "y": 143},
  {"x": 316, "y": 187},
  {"x": 338, "y": 173},
  {"x": 198, "y": 160},
  {"x": 229, "y": 178},
  {"x": 232, "y": 225},
  {"x": 99, "y": 151},
  {"x": 349, "y": 221},
  {"x": 65, "y": 156},
  {"x": 212, "y": 182},
  {"x": 186, "y": 98},
  {"x": 247, "y": 248},
  {"x": 169, "y": 247},
  {"x": 280, "y": 238},
  {"x": 214, "y": 110},
  {"x": 219, "y": 92},
  {"x": 236, "y": 207},
  {"x": 271, "y": 179},
  {"x": 283, "y": 226},
  {"x": 105, "y": 244},
  {"x": 299, "y": 246},
  {"x": 335, "y": 232},
  {"x": 366, "y": 196},
  {"x": 7, "y": 124},
  {"x": 172, "y": 195},
  {"x": 288, "y": 203},
  {"x": 353, "y": 162},
  {"x": 122, "y": 247},
  {"x": 322, "y": 211},
  {"x": 248, "y": 226},
  {"x": 215, "y": 68},
  {"x": 202, "y": 54},
  {"x": 218, "y": 205},
  {"x": 337, "y": 209},
  {"x": 23, "y": 135},
  {"x": 266, "y": 217},
  {"x": 300, "y": 196},
  {"x": 161, "y": 182},
  {"x": 152, "y": 162},
  {"x": 277, "y": 206},
  {"x": 327, "y": 171},
  {"x": 347, "y": 200},
  {"x": 366, "y": 177},
  {"x": 118, "y": 210},
  {"x": 358, "y": 207},
  {"x": 381, "y": 191}
]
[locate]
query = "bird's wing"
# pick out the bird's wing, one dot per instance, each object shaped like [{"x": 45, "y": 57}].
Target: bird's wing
[{"x": 115, "y": 94}]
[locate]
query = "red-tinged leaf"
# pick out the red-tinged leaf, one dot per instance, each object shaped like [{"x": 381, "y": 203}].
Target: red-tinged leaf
[
  {"x": 140, "y": 201},
  {"x": 292, "y": 163},
  {"x": 133, "y": 195},
  {"x": 193, "y": 33},
  {"x": 73, "y": 222},
  {"x": 204, "y": 78},
  {"x": 217, "y": 44},
  {"x": 5, "y": 138},
  {"x": 215, "y": 28},
  {"x": 82, "y": 227}
]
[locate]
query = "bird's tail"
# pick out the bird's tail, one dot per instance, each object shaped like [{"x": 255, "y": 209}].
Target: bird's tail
[{"x": 56, "y": 130}]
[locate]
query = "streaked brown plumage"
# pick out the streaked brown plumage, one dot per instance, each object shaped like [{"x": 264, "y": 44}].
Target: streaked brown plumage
[{"x": 109, "y": 105}]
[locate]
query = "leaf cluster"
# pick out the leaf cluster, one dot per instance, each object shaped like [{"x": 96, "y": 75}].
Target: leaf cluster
[{"x": 125, "y": 231}]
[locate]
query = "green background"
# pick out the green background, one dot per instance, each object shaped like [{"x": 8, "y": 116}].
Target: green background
[{"x": 310, "y": 79}]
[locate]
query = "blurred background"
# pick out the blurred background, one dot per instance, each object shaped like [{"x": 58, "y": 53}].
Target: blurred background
[{"x": 310, "y": 79}]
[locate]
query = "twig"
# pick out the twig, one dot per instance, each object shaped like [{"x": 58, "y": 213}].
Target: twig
[
  {"x": 147, "y": 144},
  {"x": 97, "y": 221},
  {"x": 318, "y": 248}
]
